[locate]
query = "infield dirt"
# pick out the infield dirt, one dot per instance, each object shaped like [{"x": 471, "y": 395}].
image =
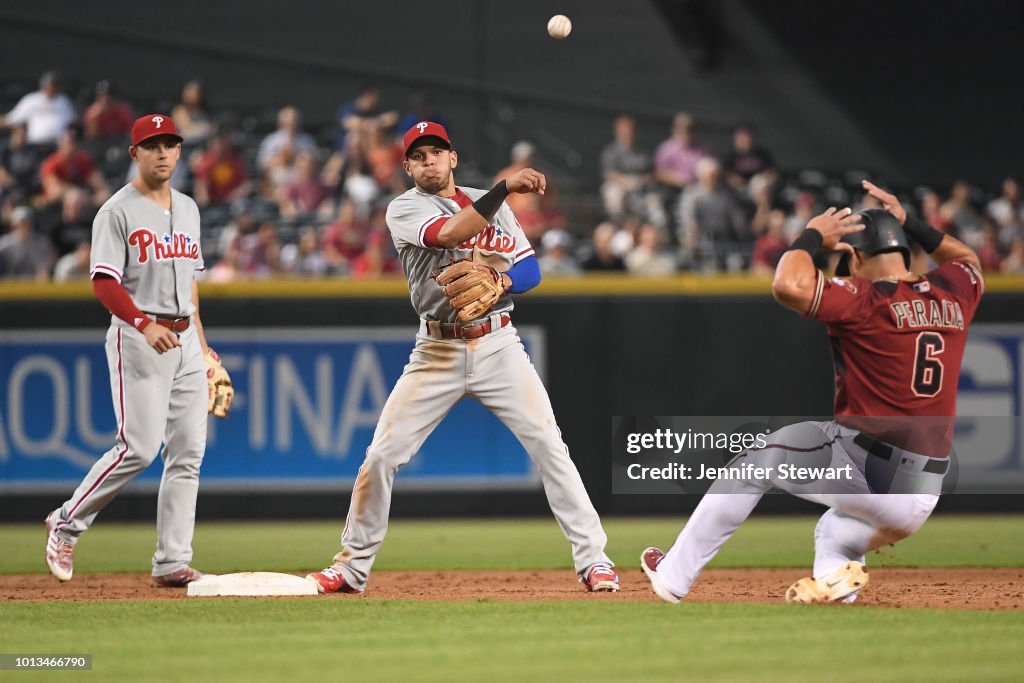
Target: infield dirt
[{"x": 955, "y": 588}]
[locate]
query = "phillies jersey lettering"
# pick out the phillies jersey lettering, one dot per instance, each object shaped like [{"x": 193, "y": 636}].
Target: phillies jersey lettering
[
  {"x": 166, "y": 247},
  {"x": 153, "y": 252},
  {"x": 410, "y": 215},
  {"x": 897, "y": 348}
]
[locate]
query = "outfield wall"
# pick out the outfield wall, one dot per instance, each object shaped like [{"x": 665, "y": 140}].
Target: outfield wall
[{"x": 313, "y": 362}]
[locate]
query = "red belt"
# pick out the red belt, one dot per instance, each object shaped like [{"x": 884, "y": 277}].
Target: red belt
[
  {"x": 177, "y": 325},
  {"x": 458, "y": 331}
]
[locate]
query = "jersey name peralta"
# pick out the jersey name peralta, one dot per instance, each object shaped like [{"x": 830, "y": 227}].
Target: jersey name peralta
[
  {"x": 897, "y": 348},
  {"x": 154, "y": 253},
  {"x": 411, "y": 214}
]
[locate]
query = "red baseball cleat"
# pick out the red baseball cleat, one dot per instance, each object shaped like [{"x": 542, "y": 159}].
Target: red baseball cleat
[
  {"x": 600, "y": 578},
  {"x": 178, "y": 579},
  {"x": 331, "y": 580},
  {"x": 60, "y": 554},
  {"x": 649, "y": 561}
]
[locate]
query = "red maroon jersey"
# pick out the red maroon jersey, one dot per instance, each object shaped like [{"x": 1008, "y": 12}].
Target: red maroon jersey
[{"x": 897, "y": 348}]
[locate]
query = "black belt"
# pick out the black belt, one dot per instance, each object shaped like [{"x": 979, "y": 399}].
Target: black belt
[{"x": 882, "y": 450}]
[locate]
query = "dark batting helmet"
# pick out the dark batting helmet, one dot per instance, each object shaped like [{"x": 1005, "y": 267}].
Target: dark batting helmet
[{"x": 882, "y": 233}]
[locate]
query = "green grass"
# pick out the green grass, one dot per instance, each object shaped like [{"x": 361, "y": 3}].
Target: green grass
[
  {"x": 597, "y": 640},
  {"x": 594, "y": 639},
  {"x": 944, "y": 541}
]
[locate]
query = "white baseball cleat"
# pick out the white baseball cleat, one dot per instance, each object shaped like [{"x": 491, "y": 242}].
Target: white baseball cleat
[
  {"x": 649, "y": 561},
  {"x": 60, "y": 554},
  {"x": 846, "y": 580}
]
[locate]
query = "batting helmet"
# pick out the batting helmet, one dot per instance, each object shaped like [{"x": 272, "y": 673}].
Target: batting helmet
[{"x": 882, "y": 233}]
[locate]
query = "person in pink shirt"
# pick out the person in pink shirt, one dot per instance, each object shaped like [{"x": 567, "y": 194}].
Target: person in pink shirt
[{"x": 675, "y": 162}]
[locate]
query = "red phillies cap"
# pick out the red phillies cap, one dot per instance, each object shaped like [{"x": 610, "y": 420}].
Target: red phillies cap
[
  {"x": 425, "y": 129},
  {"x": 151, "y": 125}
]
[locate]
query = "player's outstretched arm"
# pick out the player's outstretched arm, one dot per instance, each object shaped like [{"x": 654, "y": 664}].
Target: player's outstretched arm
[
  {"x": 473, "y": 219},
  {"x": 796, "y": 277},
  {"x": 940, "y": 247}
]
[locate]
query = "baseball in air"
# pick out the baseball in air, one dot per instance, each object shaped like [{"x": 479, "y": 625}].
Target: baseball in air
[{"x": 559, "y": 26}]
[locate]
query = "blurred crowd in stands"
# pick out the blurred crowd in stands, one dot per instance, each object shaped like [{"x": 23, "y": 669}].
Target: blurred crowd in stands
[{"x": 287, "y": 202}]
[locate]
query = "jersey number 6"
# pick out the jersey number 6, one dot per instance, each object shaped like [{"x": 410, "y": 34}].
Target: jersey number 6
[{"x": 927, "y": 366}]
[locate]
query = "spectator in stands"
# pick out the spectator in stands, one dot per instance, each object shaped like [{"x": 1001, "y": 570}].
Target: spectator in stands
[
  {"x": 1013, "y": 264},
  {"x": 107, "y": 117},
  {"x": 243, "y": 222},
  {"x": 349, "y": 176},
  {"x": 649, "y": 257},
  {"x": 931, "y": 211},
  {"x": 303, "y": 197},
  {"x": 557, "y": 258},
  {"x": 771, "y": 245},
  {"x": 421, "y": 108},
  {"x": 259, "y": 253},
  {"x": 747, "y": 158},
  {"x": 384, "y": 157},
  {"x": 304, "y": 258},
  {"x": 191, "y": 115},
  {"x": 220, "y": 175},
  {"x": 378, "y": 258},
  {"x": 961, "y": 214},
  {"x": 46, "y": 112},
  {"x": 19, "y": 165},
  {"x": 713, "y": 228},
  {"x": 73, "y": 265},
  {"x": 990, "y": 253},
  {"x": 289, "y": 135},
  {"x": 345, "y": 238},
  {"x": 677, "y": 157},
  {"x": 24, "y": 253},
  {"x": 75, "y": 223},
  {"x": 70, "y": 170},
  {"x": 627, "y": 188},
  {"x": 363, "y": 115},
  {"x": 1008, "y": 212},
  {"x": 804, "y": 209},
  {"x": 602, "y": 257},
  {"x": 527, "y": 207}
]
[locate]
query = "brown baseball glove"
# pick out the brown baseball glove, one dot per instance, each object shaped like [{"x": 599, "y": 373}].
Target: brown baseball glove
[
  {"x": 221, "y": 391},
  {"x": 472, "y": 288}
]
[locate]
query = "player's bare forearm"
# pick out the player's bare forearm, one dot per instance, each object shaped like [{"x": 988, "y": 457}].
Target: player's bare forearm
[
  {"x": 460, "y": 227},
  {"x": 796, "y": 278}
]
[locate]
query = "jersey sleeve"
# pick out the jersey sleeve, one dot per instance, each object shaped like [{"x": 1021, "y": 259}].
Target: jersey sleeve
[
  {"x": 506, "y": 219},
  {"x": 963, "y": 281},
  {"x": 838, "y": 301},
  {"x": 109, "y": 245},
  {"x": 410, "y": 217}
]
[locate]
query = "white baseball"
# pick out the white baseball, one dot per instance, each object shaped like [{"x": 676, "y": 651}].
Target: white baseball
[{"x": 559, "y": 26}]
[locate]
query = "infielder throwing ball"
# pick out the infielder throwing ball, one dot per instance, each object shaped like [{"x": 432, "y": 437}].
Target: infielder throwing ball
[
  {"x": 897, "y": 342},
  {"x": 466, "y": 346},
  {"x": 163, "y": 377}
]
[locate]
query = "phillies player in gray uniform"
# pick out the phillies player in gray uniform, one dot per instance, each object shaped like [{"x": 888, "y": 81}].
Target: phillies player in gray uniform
[
  {"x": 145, "y": 252},
  {"x": 432, "y": 224}
]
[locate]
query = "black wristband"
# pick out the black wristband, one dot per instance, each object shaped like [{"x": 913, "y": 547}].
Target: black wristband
[
  {"x": 489, "y": 204},
  {"x": 810, "y": 240},
  {"x": 928, "y": 237}
]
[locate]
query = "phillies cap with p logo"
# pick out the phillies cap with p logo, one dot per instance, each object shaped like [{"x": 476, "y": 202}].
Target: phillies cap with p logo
[
  {"x": 151, "y": 125},
  {"x": 425, "y": 129}
]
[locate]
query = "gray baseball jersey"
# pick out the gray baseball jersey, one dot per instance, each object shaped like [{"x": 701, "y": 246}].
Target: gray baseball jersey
[
  {"x": 494, "y": 369},
  {"x": 410, "y": 215},
  {"x": 153, "y": 252},
  {"x": 159, "y": 399}
]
